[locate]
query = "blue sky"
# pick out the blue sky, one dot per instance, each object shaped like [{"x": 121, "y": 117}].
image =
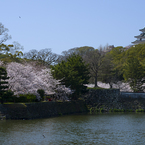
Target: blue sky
[{"x": 64, "y": 24}]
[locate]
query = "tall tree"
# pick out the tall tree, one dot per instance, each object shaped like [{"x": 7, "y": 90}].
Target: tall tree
[
  {"x": 3, "y": 83},
  {"x": 133, "y": 68},
  {"x": 77, "y": 50},
  {"x": 3, "y": 34},
  {"x": 118, "y": 57},
  {"x": 72, "y": 73},
  {"x": 44, "y": 56},
  {"x": 134, "y": 74},
  {"x": 94, "y": 59},
  {"x": 91, "y": 56},
  {"x": 4, "y": 37},
  {"x": 108, "y": 72}
]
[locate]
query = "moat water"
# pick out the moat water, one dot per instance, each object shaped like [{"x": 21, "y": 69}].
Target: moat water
[{"x": 85, "y": 129}]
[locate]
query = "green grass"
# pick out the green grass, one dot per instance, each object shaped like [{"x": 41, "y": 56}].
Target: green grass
[{"x": 8, "y": 103}]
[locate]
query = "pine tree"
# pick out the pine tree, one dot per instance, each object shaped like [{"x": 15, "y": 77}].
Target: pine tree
[
  {"x": 72, "y": 73},
  {"x": 3, "y": 83}
]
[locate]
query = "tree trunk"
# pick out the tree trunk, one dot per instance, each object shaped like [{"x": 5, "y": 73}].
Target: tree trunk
[
  {"x": 96, "y": 79},
  {"x": 111, "y": 85}
]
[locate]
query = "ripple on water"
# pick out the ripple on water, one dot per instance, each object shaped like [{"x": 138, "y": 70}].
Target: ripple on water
[{"x": 117, "y": 129}]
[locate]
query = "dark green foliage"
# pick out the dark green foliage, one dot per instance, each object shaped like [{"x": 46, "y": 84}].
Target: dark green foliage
[
  {"x": 139, "y": 110},
  {"x": 41, "y": 92},
  {"x": 3, "y": 83},
  {"x": 31, "y": 97},
  {"x": 25, "y": 98},
  {"x": 72, "y": 73},
  {"x": 9, "y": 95},
  {"x": 21, "y": 98}
]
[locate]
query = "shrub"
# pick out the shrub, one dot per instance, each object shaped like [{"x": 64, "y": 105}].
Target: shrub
[
  {"x": 21, "y": 98},
  {"x": 31, "y": 97},
  {"x": 8, "y": 96},
  {"x": 26, "y": 98},
  {"x": 41, "y": 92}
]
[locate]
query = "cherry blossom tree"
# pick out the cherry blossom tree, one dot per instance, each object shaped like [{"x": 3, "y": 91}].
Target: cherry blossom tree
[
  {"x": 62, "y": 92},
  {"x": 29, "y": 77}
]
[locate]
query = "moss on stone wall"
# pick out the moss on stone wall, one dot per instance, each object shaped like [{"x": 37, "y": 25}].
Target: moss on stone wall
[
  {"x": 112, "y": 101},
  {"x": 104, "y": 100},
  {"x": 42, "y": 109}
]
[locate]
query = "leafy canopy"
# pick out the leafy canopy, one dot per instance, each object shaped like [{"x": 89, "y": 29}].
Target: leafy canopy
[
  {"x": 72, "y": 73},
  {"x": 134, "y": 68}
]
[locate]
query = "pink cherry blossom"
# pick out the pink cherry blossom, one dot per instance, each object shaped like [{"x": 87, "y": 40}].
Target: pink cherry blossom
[{"x": 29, "y": 77}]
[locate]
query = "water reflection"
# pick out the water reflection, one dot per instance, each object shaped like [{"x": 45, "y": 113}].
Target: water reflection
[{"x": 117, "y": 129}]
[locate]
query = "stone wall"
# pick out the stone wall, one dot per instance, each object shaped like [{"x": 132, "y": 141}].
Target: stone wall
[
  {"x": 42, "y": 109},
  {"x": 103, "y": 97},
  {"x": 132, "y": 95},
  {"x": 132, "y": 102},
  {"x": 113, "y": 99}
]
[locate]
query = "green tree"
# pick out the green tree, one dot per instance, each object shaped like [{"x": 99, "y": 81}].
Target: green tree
[
  {"x": 3, "y": 83},
  {"x": 134, "y": 74},
  {"x": 118, "y": 57},
  {"x": 91, "y": 56},
  {"x": 82, "y": 51},
  {"x": 110, "y": 69},
  {"x": 72, "y": 73},
  {"x": 94, "y": 57},
  {"x": 133, "y": 69},
  {"x": 4, "y": 37},
  {"x": 10, "y": 52}
]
